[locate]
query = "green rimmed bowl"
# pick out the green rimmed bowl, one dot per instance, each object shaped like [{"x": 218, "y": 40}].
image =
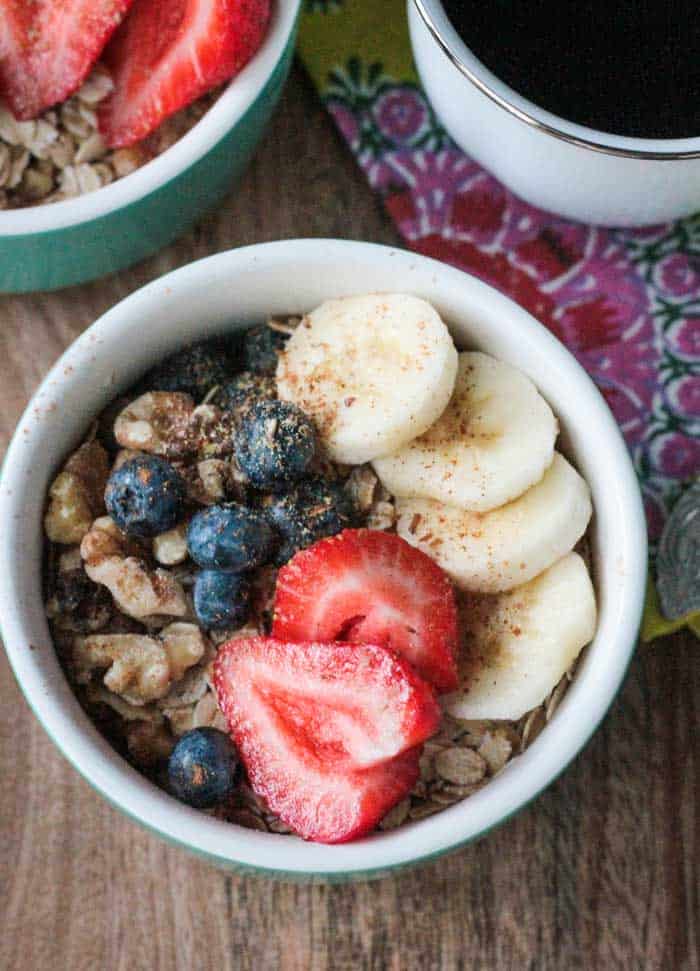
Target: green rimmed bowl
[
  {"x": 233, "y": 290},
  {"x": 58, "y": 245}
]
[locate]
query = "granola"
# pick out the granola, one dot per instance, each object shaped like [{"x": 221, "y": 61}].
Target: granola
[
  {"x": 121, "y": 609},
  {"x": 61, "y": 155}
]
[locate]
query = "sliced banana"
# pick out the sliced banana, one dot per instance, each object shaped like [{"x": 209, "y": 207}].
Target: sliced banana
[
  {"x": 494, "y": 440},
  {"x": 518, "y": 645},
  {"x": 501, "y": 549},
  {"x": 372, "y": 371}
]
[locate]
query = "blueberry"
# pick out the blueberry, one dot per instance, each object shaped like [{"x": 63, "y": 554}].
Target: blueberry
[
  {"x": 203, "y": 768},
  {"x": 316, "y": 508},
  {"x": 194, "y": 370},
  {"x": 221, "y": 599},
  {"x": 241, "y": 391},
  {"x": 145, "y": 496},
  {"x": 229, "y": 537},
  {"x": 261, "y": 347},
  {"x": 275, "y": 444}
]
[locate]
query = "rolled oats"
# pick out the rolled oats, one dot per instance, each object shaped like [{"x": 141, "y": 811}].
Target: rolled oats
[
  {"x": 461, "y": 766},
  {"x": 382, "y": 515},
  {"x": 68, "y": 138},
  {"x": 495, "y": 749},
  {"x": 362, "y": 486},
  {"x": 396, "y": 816}
]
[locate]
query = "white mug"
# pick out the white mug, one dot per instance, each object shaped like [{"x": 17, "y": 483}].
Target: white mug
[{"x": 577, "y": 172}]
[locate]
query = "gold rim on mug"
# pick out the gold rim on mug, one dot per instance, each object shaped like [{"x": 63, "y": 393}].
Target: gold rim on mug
[{"x": 533, "y": 121}]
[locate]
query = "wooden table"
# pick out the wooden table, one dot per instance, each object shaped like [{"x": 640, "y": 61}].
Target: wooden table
[{"x": 600, "y": 873}]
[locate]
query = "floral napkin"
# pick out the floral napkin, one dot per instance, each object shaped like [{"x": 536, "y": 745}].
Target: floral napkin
[{"x": 625, "y": 302}]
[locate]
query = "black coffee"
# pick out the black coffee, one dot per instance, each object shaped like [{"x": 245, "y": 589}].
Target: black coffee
[{"x": 630, "y": 67}]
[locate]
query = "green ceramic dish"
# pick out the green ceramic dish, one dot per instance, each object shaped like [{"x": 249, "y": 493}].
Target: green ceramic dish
[{"x": 47, "y": 247}]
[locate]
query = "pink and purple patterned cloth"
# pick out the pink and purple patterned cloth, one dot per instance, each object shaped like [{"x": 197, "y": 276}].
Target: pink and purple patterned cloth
[{"x": 626, "y": 302}]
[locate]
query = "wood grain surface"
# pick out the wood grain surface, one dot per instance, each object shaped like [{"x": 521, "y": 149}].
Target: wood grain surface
[{"x": 601, "y": 872}]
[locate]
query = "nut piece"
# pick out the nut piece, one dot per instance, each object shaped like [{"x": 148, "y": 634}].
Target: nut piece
[
  {"x": 77, "y": 494},
  {"x": 381, "y": 516},
  {"x": 139, "y": 668},
  {"x": 138, "y": 590},
  {"x": 185, "y": 645},
  {"x": 158, "y": 422},
  {"x": 362, "y": 485},
  {"x": 170, "y": 548}
]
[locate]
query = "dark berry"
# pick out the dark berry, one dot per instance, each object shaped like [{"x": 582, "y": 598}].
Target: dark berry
[
  {"x": 275, "y": 444},
  {"x": 78, "y": 604},
  {"x": 314, "y": 509},
  {"x": 221, "y": 599},
  {"x": 194, "y": 370},
  {"x": 243, "y": 390},
  {"x": 229, "y": 537},
  {"x": 203, "y": 768},
  {"x": 145, "y": 496},
  {"x": 261, "y": 348}
]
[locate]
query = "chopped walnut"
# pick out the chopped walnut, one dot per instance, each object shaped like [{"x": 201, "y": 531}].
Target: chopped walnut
[
  {"x": 170, "y": 548},
  {"x": 139, "y": 668},
  {"x": 77, "y": 494},
  {"x": 211, "y": 431},
  {"x": 157, "y": 422},
  {"x": 137, "y": 589},
  {"x": 212, "y": 480}
]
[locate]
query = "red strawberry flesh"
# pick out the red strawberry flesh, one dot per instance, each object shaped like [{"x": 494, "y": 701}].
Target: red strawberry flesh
[
  {"x": 365, "y": 586},
  {"x": 168, "y": 54},
  {"x": 48, "y": 48},
  {"x": 329, "y": 733}
]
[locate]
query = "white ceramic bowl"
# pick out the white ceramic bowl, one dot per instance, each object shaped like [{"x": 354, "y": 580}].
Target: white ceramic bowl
[
  {"x": 551, "y": 162},
  {"x": 236, "y": 289}
]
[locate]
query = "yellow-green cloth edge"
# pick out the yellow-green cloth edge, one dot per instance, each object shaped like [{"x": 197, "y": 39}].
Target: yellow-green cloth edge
[
  {"x": 333, "y": 32},
  {"x": 655, "y": 624}
]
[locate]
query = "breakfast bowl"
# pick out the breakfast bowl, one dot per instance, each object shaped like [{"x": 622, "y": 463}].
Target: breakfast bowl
[
  {"x": 234, "y": 290},
  {"x": 551, "y": 162},
  {"x": 44, "y": 247}
]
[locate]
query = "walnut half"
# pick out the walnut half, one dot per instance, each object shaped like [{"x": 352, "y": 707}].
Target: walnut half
[
  {"x": 137, "y": 589},
  {"x": 139, "y": 668}
]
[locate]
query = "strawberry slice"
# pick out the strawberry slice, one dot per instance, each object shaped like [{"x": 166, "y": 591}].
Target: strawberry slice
[
  {"x": 48, "y": 47},
  {"x": 366, "y": 586},
  {"x": 329, "y": 733},
  {"x": 168, "y": 54}
]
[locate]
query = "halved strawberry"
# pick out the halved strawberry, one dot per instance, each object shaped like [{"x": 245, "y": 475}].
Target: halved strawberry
[
  {"x": 366, "y": 586},
  {"x": 167, "y": 54},
  {"x": 48, "y": 47},
  {"x": 329, "y": 733}
]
